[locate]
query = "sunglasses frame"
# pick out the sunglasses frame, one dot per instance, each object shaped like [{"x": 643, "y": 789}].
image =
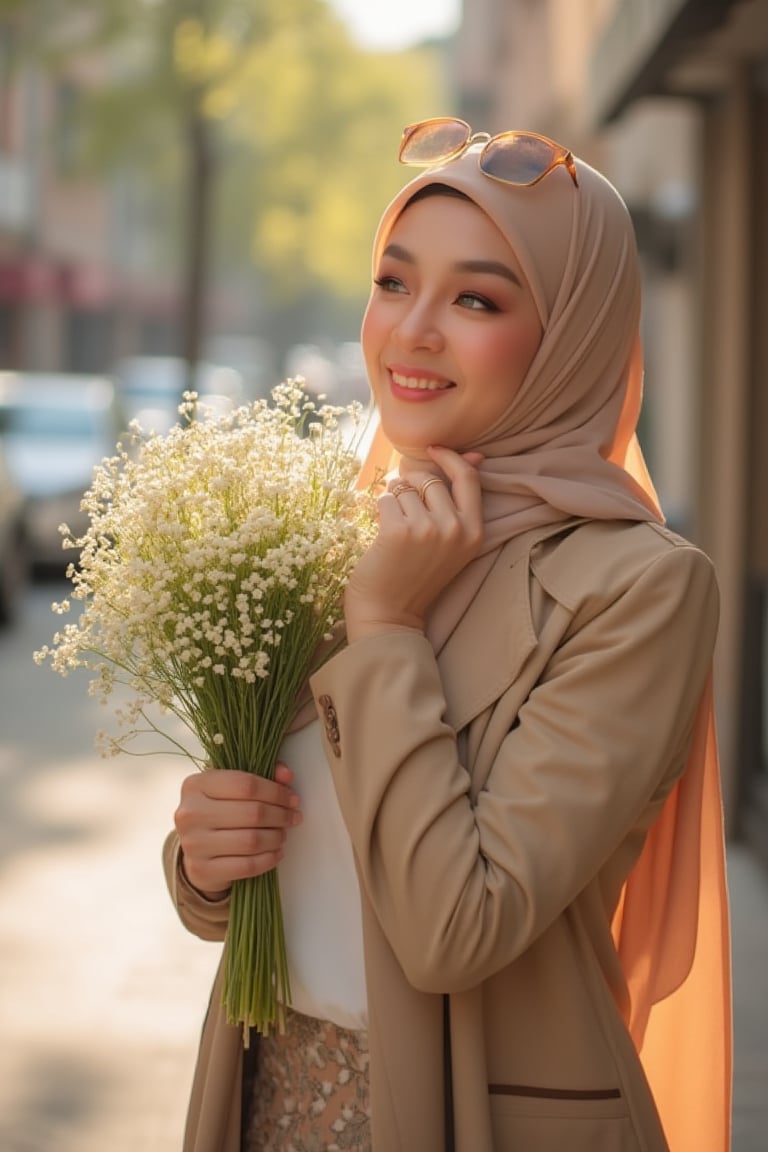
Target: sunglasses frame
[{"x": 560, "y": 155}]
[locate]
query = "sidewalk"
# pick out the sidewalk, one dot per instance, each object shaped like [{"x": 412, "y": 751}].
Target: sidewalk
[
  {"x": 749, "y": 911},
  {"x": 102, "y": 992}
]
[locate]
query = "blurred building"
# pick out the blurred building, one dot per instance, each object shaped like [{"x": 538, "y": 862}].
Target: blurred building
[
  {"x": 670, "y": 99},
  {"x": 79, "y": 276}
]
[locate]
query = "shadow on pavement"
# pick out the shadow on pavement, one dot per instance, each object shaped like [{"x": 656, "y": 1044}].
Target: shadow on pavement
[{"x": 58, "y": 1095}]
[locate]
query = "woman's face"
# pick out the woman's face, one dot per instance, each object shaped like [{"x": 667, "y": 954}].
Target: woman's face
[{"x": 450, "y": 328}]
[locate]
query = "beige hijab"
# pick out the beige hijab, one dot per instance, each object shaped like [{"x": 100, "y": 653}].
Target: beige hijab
[{"x": 567, "y": 447}]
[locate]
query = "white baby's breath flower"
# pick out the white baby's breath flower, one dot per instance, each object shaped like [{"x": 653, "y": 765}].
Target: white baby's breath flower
[{"x": 212, "y": 568}]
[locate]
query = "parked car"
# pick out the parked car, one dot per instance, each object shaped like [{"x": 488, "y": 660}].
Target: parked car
[
  {"x": 13, "y": 544},
  {"x": 150, "y": 389},
  {"x": 55, "y": 428}
]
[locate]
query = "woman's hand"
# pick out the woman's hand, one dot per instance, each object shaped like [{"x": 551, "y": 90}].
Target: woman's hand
[
  {"x": 430, "y": 527},
  {"x": 232, "y": 825}
]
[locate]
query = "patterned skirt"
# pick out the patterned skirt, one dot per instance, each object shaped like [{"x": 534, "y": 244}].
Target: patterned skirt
[{"x": 308, "y": 1090}]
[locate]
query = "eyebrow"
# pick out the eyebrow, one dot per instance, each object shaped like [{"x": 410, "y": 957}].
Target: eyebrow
[{"x": 485, "y": 267}]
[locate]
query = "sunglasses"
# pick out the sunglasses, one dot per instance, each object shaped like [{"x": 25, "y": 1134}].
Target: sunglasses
[{"x": 521, "y": 158}]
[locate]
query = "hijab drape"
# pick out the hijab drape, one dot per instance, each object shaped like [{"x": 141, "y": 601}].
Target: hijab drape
[{"x": 567, "y": 447}]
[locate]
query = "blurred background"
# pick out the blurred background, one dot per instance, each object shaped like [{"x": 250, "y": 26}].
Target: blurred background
[{"x": 188, "y": 194}]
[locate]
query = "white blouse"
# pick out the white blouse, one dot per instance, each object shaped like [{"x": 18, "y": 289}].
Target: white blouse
[{"x": 320, "y": 896}]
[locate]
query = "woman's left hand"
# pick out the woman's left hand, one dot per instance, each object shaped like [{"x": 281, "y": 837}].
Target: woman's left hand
[{"x": 430, "y": 527}]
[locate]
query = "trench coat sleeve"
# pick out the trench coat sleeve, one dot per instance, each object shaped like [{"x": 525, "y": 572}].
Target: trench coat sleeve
[
  {"x": 462, "y": 887},
  {"x": 204, "y": 918}
]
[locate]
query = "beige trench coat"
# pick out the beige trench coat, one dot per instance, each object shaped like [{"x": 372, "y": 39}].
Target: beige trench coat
[{"x": 490, "y": 863}]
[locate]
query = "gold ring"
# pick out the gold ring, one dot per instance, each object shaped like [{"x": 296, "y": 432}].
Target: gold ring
[
  {"x": 401, "y": 487},
  {"x": 426, "y": 484}
]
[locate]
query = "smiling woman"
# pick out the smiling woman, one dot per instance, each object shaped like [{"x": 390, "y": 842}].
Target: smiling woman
[{"x": 518, "y": 732}]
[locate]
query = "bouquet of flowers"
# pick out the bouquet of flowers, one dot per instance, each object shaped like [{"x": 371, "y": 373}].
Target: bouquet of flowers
[{"x": 212, "y": 575}]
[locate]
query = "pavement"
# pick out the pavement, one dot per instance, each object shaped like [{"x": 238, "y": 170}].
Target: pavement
[
  {"x": 748, "y": 883},
  {"x": 102, "y": 992}
]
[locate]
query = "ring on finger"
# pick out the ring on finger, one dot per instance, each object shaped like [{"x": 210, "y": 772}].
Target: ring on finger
[
  {"x": 426, "y": 484},
  {"x": 401, "y": 487}
]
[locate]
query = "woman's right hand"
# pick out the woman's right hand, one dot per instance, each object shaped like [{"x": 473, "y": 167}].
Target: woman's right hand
[{"x": 232, "y": 825}]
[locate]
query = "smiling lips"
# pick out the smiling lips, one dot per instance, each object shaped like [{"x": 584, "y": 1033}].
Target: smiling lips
[{"x": 420, "y": 384}]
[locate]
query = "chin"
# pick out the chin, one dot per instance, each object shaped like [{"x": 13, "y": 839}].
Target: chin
[{"x": 416, "y": 452}]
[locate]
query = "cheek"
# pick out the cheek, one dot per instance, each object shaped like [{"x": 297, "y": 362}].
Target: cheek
[
  {"x": 510, "y": 353},
  {"x": 494, "y": 358}
]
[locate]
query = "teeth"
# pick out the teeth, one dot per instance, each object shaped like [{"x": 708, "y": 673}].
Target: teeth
[{"x": 418, "y": 385}]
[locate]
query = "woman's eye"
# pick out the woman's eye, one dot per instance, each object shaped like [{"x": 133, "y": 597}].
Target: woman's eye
[
  {"x": 475, "y": 302},
  {"x": 389, "y": 284}
]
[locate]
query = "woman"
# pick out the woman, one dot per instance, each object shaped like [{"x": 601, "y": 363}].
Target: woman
[{"x": 518, "y": 730}]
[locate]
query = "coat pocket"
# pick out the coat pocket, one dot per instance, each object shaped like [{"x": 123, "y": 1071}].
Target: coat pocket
[{"x": 548, "y": 1121}]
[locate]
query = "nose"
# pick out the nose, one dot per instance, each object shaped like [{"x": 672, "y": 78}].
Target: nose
[{"x": 419, "y": 328}]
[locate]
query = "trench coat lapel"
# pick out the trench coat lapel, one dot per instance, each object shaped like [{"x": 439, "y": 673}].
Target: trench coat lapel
[{"x": 475, "y": 675}]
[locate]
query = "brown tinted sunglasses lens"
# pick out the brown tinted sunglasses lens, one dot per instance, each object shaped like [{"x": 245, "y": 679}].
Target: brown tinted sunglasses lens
[
  {"x": 518, "y": 159},
  {"x": 429, "y": 143}
]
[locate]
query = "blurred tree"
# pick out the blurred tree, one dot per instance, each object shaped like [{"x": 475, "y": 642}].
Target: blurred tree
[{"x": 277, "y": 132}]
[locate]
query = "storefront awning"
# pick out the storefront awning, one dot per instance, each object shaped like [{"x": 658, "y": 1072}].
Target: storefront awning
[{"x": 640, "y": 45}]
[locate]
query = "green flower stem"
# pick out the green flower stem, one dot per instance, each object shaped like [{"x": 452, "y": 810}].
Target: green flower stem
[
  {"x": 253, "y": 720},
  {"x": 256, "y": 987}
]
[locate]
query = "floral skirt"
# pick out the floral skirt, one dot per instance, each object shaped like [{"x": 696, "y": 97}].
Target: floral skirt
[{"x": 309, "y": 1090}]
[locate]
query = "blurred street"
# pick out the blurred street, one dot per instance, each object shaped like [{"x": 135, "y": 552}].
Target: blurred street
[{"x": 102, "y": 992}]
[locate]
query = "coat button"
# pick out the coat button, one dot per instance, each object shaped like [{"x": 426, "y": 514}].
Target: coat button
[{"x": 331, "y": 721}]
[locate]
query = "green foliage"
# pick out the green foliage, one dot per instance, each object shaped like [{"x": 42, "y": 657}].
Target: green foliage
[
  {"x": 302, "y": 125},
  {"x": 321, "y": 152}
]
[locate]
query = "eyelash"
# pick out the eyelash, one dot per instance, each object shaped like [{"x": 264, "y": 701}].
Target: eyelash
[
  {"x": 386, "y": 284},
  {"x": 487, "y": 305}
]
